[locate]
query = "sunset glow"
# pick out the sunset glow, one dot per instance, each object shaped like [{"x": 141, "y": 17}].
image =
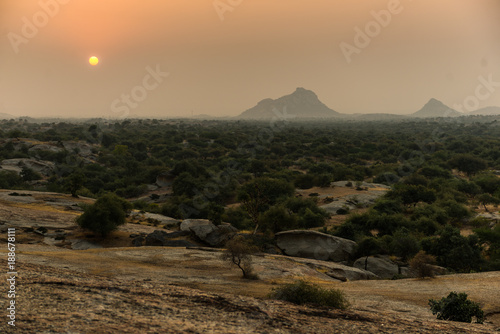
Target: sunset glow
[{"x": 360, "y": 57}]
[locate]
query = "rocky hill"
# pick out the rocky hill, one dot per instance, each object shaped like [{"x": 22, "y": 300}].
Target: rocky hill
[
  {"x": 6, "y": 116},
  {"x": 302, "y": 103},
  {"x": 435, "y": 108}
]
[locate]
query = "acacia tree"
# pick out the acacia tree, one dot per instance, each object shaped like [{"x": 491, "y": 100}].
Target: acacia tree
[
  {"x": 486, "y": 199},
  {"x": 260, "y": 193},
  {"x": 468, "y": 164},
  {"x": 238, "y": 252},
  {"x": 254, "y": 203},
  {"x": 74, "y": 182}
]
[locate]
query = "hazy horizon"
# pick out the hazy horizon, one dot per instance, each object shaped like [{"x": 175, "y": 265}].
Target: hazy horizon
[{"x": 222, "y": 57}]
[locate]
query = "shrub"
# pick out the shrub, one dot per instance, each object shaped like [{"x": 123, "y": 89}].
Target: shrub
[
  {"x": 456, "y": 307},
  {"x": 421, "y": 264},
  {"x": 302, "y": 292},
  {"x": 278, "y": 219},
  {"x": 238, "y": 252},
  {"x": 343, "y": 211},
  {"x": 105, "y": 215}
]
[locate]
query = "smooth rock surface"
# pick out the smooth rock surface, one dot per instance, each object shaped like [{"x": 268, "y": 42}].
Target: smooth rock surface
[{"x": 315, "y": 245}]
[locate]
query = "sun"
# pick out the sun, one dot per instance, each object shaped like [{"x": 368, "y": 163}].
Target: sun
[{"x": 93, "y": 60}]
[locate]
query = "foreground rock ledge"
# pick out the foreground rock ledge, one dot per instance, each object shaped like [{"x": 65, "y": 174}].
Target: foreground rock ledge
[{"x": 52, "y": 300}]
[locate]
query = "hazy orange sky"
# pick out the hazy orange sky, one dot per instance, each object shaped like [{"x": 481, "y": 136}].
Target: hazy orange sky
[{"x": 222, "y": 62}]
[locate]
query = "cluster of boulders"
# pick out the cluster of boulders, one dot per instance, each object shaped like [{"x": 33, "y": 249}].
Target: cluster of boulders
[
  {"x": 332, "y": 255},
  {"x": 325, "y": 247},
  {"x": 46, "y": 168},
  {"x": 192, "y": 232}
]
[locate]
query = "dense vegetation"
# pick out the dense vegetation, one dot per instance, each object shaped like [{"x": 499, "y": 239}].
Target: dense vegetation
[{"x": 441, "y": 171}]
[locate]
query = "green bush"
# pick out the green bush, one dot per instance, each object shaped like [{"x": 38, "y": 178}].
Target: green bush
[
  {"x": 105, "y": 215},
  {"x": 278, "y": 219},
  {"x": 456, "y": 307},
  {"x": 302, "y": 292}
]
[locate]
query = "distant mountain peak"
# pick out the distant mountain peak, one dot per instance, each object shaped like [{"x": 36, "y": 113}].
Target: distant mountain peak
[
  {"x": 436, "y": 108},
  {"x": 300, "y": 90},
  {"x": 433, "y": 101},
  {"x": 302, "y": 103}
]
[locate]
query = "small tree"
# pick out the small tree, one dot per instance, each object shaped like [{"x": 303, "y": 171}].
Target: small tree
[
  {"x": 486, "y": 199},
  {"x": 105, "y": 215},
  {"x": 254, "y": 203},
  {"x": 238, "y": 252},
  {"x": 74, "y": 182},
  {"x": 421, "y": 264},
  {"x": 456, "y": 307}
]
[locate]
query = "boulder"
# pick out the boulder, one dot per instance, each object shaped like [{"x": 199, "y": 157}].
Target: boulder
[
  {"x": 45, "y": 168},
  {"x": 203, "y": 229},
  {"x": 315, "y": 245},
  {"x": 160, "y": 238},
  {"x": 215, "y": 236},
  {"x": 83, "y": 244},
  {"x": 333, "y": 270},
  {"x": 138, "y": 241},
  {"x": 381, "y": 266},
  {"x": 188, "y": 223}
]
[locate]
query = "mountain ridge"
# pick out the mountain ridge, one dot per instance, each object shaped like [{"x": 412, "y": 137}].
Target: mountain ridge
[{"x": 303, "y": 104}]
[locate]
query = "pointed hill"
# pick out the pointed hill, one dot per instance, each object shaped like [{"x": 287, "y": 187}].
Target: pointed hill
[
  {"x": 302, "y": 103},
  {"x": 435, "y": 108}
]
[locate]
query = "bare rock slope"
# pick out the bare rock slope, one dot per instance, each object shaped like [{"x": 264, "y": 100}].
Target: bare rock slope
[{"x": 178, "y": 290}]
